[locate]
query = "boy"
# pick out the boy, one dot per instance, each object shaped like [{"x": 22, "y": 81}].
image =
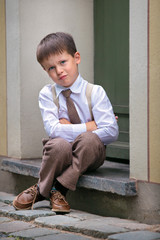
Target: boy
[{"x": 76, "y": 142}]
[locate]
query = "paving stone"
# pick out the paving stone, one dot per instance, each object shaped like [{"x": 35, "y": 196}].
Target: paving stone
[
  {"x": 4, "y": 219},
  {"x": 15, "y": 226},
  {"x": 133, "y": 226},
  {"x": 26, "y": 215},
  {"x": 3, "y": 204},
  {"x": 65, "y": 236},
  {"x": 5, "y": 208},
  {"x": 82, "y": 215},
  {"x": 57, "y": 220},
  {"x": 97, "y": 228},
  {"x": 137, "y": 235},
  {"x": 45, "y": 204},
  {"x": 2, "y": 235},
  {"x": 129, "y": 224},
  {"x": 7, "y": 238},
  {"x": 34, "y": 232},
  {"x": 6, "y": 197},
  {"x": 29, "y": 215}
]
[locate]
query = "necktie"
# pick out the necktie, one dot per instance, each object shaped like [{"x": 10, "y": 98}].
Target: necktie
[{"x": 72, "y": 112}]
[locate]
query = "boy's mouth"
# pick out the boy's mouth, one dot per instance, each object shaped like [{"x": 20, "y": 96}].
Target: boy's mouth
[{"x": 63, "y": 77}]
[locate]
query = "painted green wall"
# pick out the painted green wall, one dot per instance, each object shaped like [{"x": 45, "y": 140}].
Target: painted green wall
[{"x": 112, "y": 60}]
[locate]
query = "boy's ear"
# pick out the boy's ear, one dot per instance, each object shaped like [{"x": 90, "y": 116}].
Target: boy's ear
[{"x": 77, "y": 57}]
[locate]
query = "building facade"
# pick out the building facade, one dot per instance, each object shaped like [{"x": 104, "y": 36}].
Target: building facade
[{"x": 24, "y": 23}]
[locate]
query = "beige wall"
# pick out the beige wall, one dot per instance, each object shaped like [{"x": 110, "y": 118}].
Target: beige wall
[
  {"x": 154, "y": 91},
  {"x": 3, "y": 98},
  {"x": 27, "y": 22}
]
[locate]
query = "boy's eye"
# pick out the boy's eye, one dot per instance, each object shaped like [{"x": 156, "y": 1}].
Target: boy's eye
[
  {"x": 51, "y": 68},
  {"x": 62, "y": 62}
]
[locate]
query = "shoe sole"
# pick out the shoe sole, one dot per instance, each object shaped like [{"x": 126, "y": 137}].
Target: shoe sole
[
  {"x": 60, "y": 211},
  {"x": 20, "y": 208}
]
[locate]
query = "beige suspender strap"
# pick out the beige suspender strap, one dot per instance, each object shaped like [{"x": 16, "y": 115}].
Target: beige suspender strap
[
  {"x": 55, "y": 99},
  {"x": 88, "y": 96}
]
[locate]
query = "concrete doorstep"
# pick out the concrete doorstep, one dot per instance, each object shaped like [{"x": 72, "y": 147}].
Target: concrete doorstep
[
  {"x": 111, "y": 177},
  {"x": 41, "y": 223}
]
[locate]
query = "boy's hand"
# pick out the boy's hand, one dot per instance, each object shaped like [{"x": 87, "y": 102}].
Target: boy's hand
[
  {"x": 64, "y": 121},
  {"x": 116, "y": 118},
  {"x": 91, "y": 126}
]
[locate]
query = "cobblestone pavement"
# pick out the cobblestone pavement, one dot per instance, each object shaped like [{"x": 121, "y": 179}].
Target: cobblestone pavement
[{"x": 43, "y": 224}]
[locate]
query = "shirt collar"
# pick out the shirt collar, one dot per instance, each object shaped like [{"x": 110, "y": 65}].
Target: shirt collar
[{"x": 76, "y": 87}]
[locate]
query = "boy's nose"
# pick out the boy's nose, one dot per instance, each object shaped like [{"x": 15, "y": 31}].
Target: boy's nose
[{"x": 59, "y": 70}]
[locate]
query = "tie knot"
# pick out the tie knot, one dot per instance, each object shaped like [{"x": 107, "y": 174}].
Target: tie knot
[{"x": 66, "y": 93}]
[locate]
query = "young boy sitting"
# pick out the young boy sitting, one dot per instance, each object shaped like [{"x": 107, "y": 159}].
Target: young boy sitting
[{"x": 76, "y": 142}]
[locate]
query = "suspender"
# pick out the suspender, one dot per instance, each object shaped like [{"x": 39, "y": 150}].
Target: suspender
[
  {"x": 55, "y": 100},
  {"x": 88, "y": 96}
]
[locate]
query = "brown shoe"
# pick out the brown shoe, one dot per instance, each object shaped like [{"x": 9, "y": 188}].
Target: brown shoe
[
  {"x": 58, "y": 202},
  {"x": 27, "y": 198}
]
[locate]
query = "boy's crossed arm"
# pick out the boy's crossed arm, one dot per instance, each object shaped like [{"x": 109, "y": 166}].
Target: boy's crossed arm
[{"x": 91, "y": 126}]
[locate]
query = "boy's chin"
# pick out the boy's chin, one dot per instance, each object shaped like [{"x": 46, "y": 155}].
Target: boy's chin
[{"x": 66, "y": 84}]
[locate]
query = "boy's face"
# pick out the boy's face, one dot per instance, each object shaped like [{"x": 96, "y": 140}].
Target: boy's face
[{"x": 62, "y": 68}]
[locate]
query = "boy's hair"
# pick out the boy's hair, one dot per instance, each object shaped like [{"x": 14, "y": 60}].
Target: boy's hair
[{"x": 55, "y": 43}]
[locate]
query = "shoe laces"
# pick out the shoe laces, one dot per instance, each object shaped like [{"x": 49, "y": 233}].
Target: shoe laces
[
  {"x": 33, "y": 190},
  {"x": 57, "y": 195}
]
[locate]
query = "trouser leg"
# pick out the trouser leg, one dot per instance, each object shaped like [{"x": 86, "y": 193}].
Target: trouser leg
[
  {"x": 88, "y": 154},
  {"x": 57, "y": 156}
]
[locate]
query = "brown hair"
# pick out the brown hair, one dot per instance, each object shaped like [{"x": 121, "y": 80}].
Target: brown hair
[{"x": 55, "y": 43}]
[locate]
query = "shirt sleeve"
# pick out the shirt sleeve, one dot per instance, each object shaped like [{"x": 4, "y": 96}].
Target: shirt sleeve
[
  {"x": 107, "y": 127},
  {"x": 53, "y": 127}
]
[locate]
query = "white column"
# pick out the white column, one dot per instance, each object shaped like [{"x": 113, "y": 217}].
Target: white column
[
  {"x": 139, "y": 89},
  {"x": 13, "y": 78}
]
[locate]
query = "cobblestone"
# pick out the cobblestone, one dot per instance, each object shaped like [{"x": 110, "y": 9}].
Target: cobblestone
[
  {"x": 41, "y": 223},
  {"x": 138, "y": 235}
]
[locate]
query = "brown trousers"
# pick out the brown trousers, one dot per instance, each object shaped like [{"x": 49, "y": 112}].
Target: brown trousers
[{"x": 66, "y": 161}]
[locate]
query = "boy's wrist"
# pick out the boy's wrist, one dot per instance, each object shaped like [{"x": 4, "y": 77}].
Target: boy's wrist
[
  {"x": 64, "y": 121},
  {"x": 91, "y": 126}
]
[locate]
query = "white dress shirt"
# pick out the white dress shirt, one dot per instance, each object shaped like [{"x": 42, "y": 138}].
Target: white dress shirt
[{"x": 107, "y": 128}]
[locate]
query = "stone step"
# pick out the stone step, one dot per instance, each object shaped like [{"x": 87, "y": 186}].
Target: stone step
[{"x": 111, "y": 177}]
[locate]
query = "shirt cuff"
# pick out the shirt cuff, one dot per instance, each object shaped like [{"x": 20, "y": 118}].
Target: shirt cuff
[{"x": 79, "y": 128}]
